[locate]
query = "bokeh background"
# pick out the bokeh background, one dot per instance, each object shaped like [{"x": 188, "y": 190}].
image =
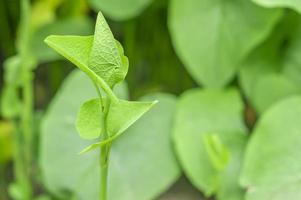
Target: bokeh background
[{"x": 216, "y": 67}]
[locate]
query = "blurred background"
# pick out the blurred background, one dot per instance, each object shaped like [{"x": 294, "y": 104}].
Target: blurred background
[{"x": 173, "y": 46}]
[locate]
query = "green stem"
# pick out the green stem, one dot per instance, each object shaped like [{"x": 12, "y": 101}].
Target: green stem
[
  {"x": 104, "y": 150},
  {"x": 104, "y": 164}
]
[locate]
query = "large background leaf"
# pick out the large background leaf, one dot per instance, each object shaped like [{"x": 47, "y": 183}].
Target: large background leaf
[
  {"x": 210, "y": 112},
  {"x": 272, "y": 167},
  {"x": 275, "y": 66},
  {"x": 120, "y": 9},
  {"x": 142, "y": 164},
  {"x": 212, "y": 36}
]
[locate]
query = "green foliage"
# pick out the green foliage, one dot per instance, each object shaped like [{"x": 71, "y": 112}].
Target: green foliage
[
  {"x": 274, "y": 66},
  {"x": 206, "y": 162},
  {"x": 213, "y": 37},
  {"x": 243, "y": 54},
  {"x": 120, "y": 9},
  {"x": 106, "y": 56},
  {"x": 101, "y": 58},
  {"x": 293, "y": 4},
  {"x": 135, "y": 159},
  {"x": 272, "y": 160}
]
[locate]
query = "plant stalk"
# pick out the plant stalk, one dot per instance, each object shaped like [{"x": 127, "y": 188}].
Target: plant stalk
[{"x": 104, "y": 165}]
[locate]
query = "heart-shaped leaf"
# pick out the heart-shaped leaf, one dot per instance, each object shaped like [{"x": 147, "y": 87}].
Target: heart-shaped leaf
[
  {"x": 209, "y": 140},
  {"x": 213, "y": 37}
]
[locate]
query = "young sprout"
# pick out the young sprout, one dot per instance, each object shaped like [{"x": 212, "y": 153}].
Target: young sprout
[{"x": 101, "y": 57}]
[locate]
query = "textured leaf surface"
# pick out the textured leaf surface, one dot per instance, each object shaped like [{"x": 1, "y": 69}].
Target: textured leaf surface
[
  {"x": 129, "y": 179},
  {"x": 120, "y": 9},
  {"x": 212, "y": 36},
  {"x": 293, "y": 4},
  {"x": 274, "y": 173},
  {"x": 202, "y": 112},
  {"x": 106, "y": 57}
]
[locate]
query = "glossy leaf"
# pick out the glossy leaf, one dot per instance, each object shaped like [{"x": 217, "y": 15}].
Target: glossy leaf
[
  {"x": 273, "y": 173},
  {"x": 89, "y": 121},
  {"x": 214, "y": 112},
  {"x": 293, "y": 4},
  {"x": 60, "y": 145},
  {"x": 120, "y": 9},
  {"x": 212, "y": 36},
  {"x": 106, "y": 57}
]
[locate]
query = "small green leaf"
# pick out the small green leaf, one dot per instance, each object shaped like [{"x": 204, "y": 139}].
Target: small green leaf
[
  {"x": 122, "y": 114},
  {"x": 216, "y": 150},
  {"x": 106, "y": 57},
  {"x": 89, "y": 120}
]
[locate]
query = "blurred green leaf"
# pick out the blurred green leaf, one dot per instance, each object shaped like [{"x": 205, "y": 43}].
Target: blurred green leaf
[
  {"x": 293, "y": 4},
  {"x": 211, "y": 111},
  {"x": 120, "y": 9},
  {"x": 212, "y": 36},
  {"x": 273, "y": 70},
  {"x": 272, "y": 161},
  {"x": 135, "y": 150}
]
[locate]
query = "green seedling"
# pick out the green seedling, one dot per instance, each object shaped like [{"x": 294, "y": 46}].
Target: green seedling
[
  {"x": 218, "y": 154},
  {"x": 102, "y": 58}
]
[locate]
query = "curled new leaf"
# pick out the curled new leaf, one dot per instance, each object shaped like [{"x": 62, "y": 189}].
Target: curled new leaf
[{"x": 106, "y": 57}]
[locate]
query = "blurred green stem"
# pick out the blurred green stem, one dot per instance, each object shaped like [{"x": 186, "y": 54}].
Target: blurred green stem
[{"x": 24, "y": 136}]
